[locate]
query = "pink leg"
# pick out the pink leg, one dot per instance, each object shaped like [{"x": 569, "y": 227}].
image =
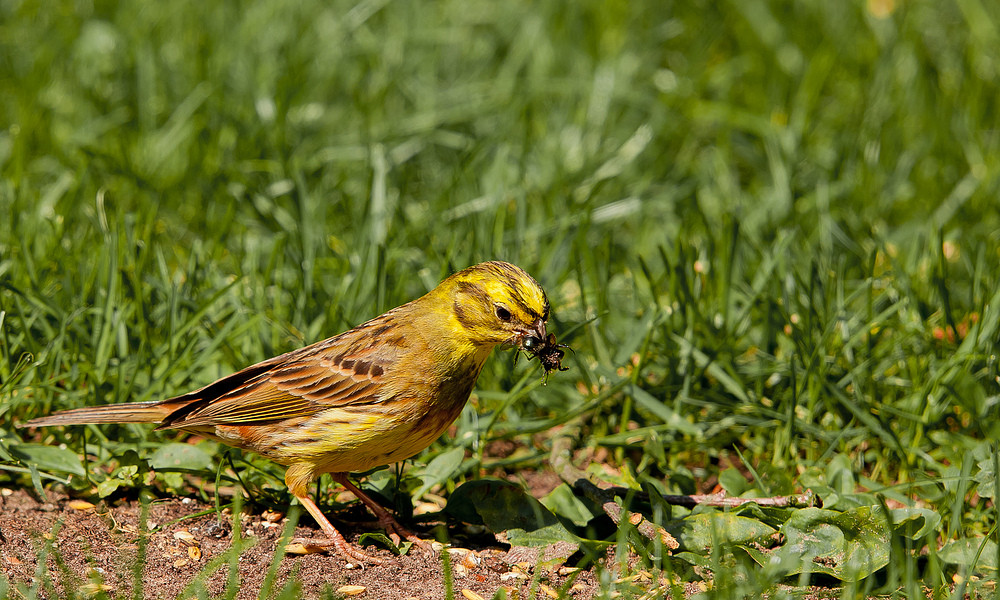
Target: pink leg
[
  {"x": 333, "y": 537},
  {"x": 385, "y": 520}
]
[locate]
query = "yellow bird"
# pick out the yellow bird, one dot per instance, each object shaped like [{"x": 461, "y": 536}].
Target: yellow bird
[{"x": 371, "y": 396}]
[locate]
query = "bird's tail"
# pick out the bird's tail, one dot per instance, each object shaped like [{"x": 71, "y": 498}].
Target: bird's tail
[{"x": 130, "y": 412}]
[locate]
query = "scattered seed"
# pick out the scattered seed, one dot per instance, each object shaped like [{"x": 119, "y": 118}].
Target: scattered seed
[
  {"x": 551, "y": 593},
  {"x": 471, "y": 560},
  {"x": 194, "y": 552},
  {"x": 180, "y": 562},
  {"x": 297, "y": 548},
  {"x": 272, "y": 516},
  {"x": 471, "y": 595},
  {"x": 185, "y": 536},
  {"x": 568, "y": 570},
  {"x": 351, "y": 590},
  {"x": 80, "y": 505},
  {"x": 423, "y": 508}
]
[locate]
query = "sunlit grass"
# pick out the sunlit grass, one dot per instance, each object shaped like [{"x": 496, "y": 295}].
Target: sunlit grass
[{"x": 768, "y": 230}]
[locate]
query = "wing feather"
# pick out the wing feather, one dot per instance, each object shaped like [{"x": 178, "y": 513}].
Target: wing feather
[{"x": 338, "y": 372}]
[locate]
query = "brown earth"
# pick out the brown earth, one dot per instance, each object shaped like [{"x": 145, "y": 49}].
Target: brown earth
[{"x": 97, "y": 547}]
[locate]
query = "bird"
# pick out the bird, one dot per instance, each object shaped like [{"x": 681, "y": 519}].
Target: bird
[{"x": 373, "y": 395}]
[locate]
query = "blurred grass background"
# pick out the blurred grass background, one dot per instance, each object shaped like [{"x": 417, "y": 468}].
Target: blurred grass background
[{"x": 764, "y": 226}]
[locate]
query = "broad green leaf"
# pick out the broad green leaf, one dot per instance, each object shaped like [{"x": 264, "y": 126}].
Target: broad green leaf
[
  {"x": 48, "y": 458},
  {"x": 505, "y": 507},
  {"x": 377, "y": 538},
  {"x": 733, "y": 482},
  {"x": 986, "y": 485},
  {"x": 4, "y": 455},
  {"x": 907, "y": 519},
  {"x": 180, "y": 456},
  {"x": 703, "y": 531},
  {"x": 977, "y": 553},
  {"x": 563, "y": 502},
  {"x": 848, "y": 545},
  {"x": 549, "y": 535},
  {"x": 109, "y": 486}
]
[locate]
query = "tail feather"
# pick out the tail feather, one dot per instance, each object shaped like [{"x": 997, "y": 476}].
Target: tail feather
[{"x": 130, "y": 412}]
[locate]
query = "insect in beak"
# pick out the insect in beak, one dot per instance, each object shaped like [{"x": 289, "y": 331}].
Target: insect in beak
[{"x": 545, "y": 348}]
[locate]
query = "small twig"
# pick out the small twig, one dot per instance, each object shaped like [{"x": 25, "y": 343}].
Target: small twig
[
  {"x": 561, "y": 463},
  {"x": 805, "y": 500},
  {"x": 614, "y": 510}
]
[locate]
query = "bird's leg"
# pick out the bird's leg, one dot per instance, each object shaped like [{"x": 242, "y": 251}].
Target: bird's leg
[
  {"x": 385, "y": 520},
  {"x": 333, "y": 537}
]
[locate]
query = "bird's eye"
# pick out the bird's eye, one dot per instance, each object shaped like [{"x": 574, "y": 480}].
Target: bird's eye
[{"x": 503, "y": 314}]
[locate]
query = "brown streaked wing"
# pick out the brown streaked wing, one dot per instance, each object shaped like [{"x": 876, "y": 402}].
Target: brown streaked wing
[{"x": 298, "y": 388}]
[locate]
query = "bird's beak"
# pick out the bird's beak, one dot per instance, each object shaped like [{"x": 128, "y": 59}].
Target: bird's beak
[{"x": 540, "y": 329}]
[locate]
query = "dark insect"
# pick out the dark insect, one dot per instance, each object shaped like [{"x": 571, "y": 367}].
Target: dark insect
[{"x": 546, "y": 350}]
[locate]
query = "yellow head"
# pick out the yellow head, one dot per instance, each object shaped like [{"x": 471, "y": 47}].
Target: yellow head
[{"x": 496, "y": 303}]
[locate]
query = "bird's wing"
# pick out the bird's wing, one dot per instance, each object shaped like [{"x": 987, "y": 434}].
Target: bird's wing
[{"x": 347, "y": 370}]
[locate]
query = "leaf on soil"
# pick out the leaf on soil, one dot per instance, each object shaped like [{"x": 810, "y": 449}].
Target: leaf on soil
[
  {"x": 185, "y": 456},
  {"x": 849, "y": 545},
  {"x": 563, "y": 502},
  {"x": 48, "y": 458},
  {"x": 977, "y": 552},
  {"x": 377, "y": 538},
  {"x": 505, "y": 507},
  {"x": 703, "y": 531}
]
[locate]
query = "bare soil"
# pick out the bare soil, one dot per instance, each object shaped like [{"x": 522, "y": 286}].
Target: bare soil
[{"x": 97, "y": 547}]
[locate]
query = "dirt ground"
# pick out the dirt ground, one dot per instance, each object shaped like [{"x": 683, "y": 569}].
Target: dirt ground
[{"x": 97, "y": 547}]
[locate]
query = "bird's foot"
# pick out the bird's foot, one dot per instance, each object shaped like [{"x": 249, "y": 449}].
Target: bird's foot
[{"x": 344, "y": 548}]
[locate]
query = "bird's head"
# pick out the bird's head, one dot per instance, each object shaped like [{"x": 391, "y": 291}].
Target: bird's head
[{"x": 496, "y": 303}]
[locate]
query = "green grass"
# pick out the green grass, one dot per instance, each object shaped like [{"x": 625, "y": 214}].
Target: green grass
[{"x": 760, "y": 225}]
